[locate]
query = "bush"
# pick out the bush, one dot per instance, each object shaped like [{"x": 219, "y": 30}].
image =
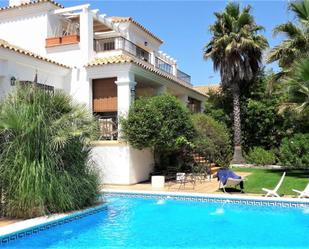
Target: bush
[
  {"x": 294, "y": 152},
  {"x": 161, "y": 123},
  {"x": 260, "y": 156},
  {"x": 262, "y": 125},
  {"x": 44, "y": 153},
  {"x": 158, "y": 122},
  {"x": 213, "y": 140}
]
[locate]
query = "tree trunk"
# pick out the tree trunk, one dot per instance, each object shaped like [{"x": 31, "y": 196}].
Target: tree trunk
[{"x": 237, "y": 157}]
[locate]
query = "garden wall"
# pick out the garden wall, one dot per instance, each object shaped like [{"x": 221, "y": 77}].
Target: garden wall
[{"x": 119, "y": 163}]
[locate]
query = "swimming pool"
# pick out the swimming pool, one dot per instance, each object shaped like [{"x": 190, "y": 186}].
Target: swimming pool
[{"x": 154, "y": 222}]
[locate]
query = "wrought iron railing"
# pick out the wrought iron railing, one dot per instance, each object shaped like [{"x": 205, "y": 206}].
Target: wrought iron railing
[
  {"x": 114, "y": 43},
  {"x": 183, "y": 76},
  {"x": 164, "y": 66}
]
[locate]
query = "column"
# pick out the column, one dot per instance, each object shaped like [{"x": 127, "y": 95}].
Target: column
[
  {"x": 174, "y": 69},
  {"x": 86, "y": 35},
  {"x": 153, "y": 58},
  {"x": 202, "y": 106},
  {"x": 161, "y": 90},
  {"x": 184, "y": 99},
  {"x": 125, "y": 95}
]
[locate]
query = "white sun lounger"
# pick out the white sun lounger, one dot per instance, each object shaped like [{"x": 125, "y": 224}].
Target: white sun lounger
[
  {"x": 304, "y": 193},
  {"x": 273, "y": 192}
]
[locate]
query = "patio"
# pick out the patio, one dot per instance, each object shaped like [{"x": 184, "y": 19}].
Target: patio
[{"x": 200, "y": 187}]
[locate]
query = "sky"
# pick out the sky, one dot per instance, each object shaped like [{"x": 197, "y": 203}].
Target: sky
[{"x": 184, "y": 26}]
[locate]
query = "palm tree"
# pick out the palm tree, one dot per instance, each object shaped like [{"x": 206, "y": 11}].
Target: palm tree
[
  {"x": 298, "y": 89},
  {"x": 236, "y": 50},
  {"x": 296, "y": 44}
]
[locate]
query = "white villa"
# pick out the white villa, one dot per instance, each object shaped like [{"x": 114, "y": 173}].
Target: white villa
[{"x": 101, "y": 61}]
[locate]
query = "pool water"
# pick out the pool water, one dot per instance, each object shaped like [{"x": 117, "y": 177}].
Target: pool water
[{"x": 154, "y": 223}]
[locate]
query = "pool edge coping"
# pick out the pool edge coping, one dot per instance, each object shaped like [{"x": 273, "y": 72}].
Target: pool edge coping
[{"x": 207, "y": 195}]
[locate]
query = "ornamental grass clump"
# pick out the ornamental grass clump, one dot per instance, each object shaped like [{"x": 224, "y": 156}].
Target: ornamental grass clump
[{"x": 44, "y": 153}]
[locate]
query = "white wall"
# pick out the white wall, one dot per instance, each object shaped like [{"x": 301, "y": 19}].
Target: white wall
[
  {"x": 81, "y": 87},
  {"x": 119, "y": 163},
  {"x": 26, "y": 28},
  {"x": 139, "y": 37},
  {"x": 24, "y": 67},
  {"x": 67, "y": 54}
]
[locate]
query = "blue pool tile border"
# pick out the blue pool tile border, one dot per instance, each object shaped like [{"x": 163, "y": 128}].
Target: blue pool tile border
[
  {"x": 247, "y": 201},
  {"x": 45, "y": 226}
]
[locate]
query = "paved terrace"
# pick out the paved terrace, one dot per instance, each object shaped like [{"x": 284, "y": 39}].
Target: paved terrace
[{"x": 206, "y": 186}]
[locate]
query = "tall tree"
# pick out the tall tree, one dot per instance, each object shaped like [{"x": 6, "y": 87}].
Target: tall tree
[
  {"x": 236, "y": 51},
  {"x": 296, "y": 44}
]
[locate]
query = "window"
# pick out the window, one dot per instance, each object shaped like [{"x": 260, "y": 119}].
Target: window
[{"x": 194, "y": 105}]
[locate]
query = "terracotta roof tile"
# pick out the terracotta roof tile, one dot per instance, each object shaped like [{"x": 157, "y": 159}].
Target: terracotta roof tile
[
  {"x": 206, "y": 89},
  {"x": 31, "y": 3},
  {"x": 6, "y": 45},
  {"x": 124, "y": 58},
  {"x": 117, "y": 59},
  {"x": 119, "y": 19}
]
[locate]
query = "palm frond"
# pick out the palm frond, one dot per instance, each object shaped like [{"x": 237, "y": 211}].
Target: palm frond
[
  {"x": 289, "y": 29},
  {"x": 301, "y": 9}
]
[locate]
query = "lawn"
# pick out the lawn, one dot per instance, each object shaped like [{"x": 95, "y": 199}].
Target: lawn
[{"x": 268, "y": 178}]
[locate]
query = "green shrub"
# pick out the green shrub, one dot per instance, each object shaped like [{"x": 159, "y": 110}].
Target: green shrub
[
  {"x": 260, "y": 156},
  {"x": 44, "y": 153},
  {"x": 262, "y": 124},
  {"x": 294, "y": 152},
  {"x": 213, "y": 139},
  {"x": 158, "y": 122},
  {"x": 161, "y": 123}
]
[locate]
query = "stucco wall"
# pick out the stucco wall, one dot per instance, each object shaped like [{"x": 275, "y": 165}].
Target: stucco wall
[
  {"x": 26, "y": 28},
  {"x": 24, "y": 67},
  {"x": 119, "y": 163}
]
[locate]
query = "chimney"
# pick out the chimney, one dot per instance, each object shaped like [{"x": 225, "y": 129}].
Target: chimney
[{"x": 18, "y": 2}]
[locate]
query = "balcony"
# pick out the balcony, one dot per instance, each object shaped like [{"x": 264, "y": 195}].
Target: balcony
[
  {"x": 66, "y": 33},
  {"x": 183, "y": 76},
  {"x": 160, "y": 61},
  {"x": 116, "y": 43},
  {"x": 162, "y": 65}
]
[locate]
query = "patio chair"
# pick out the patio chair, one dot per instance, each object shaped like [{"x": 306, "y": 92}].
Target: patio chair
[
  {"x": 273, "y": 192},
  {"x": 107, "y": 129},
  {"x": 182, "y": 179},
  {"x": 304, "y": 193}
]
